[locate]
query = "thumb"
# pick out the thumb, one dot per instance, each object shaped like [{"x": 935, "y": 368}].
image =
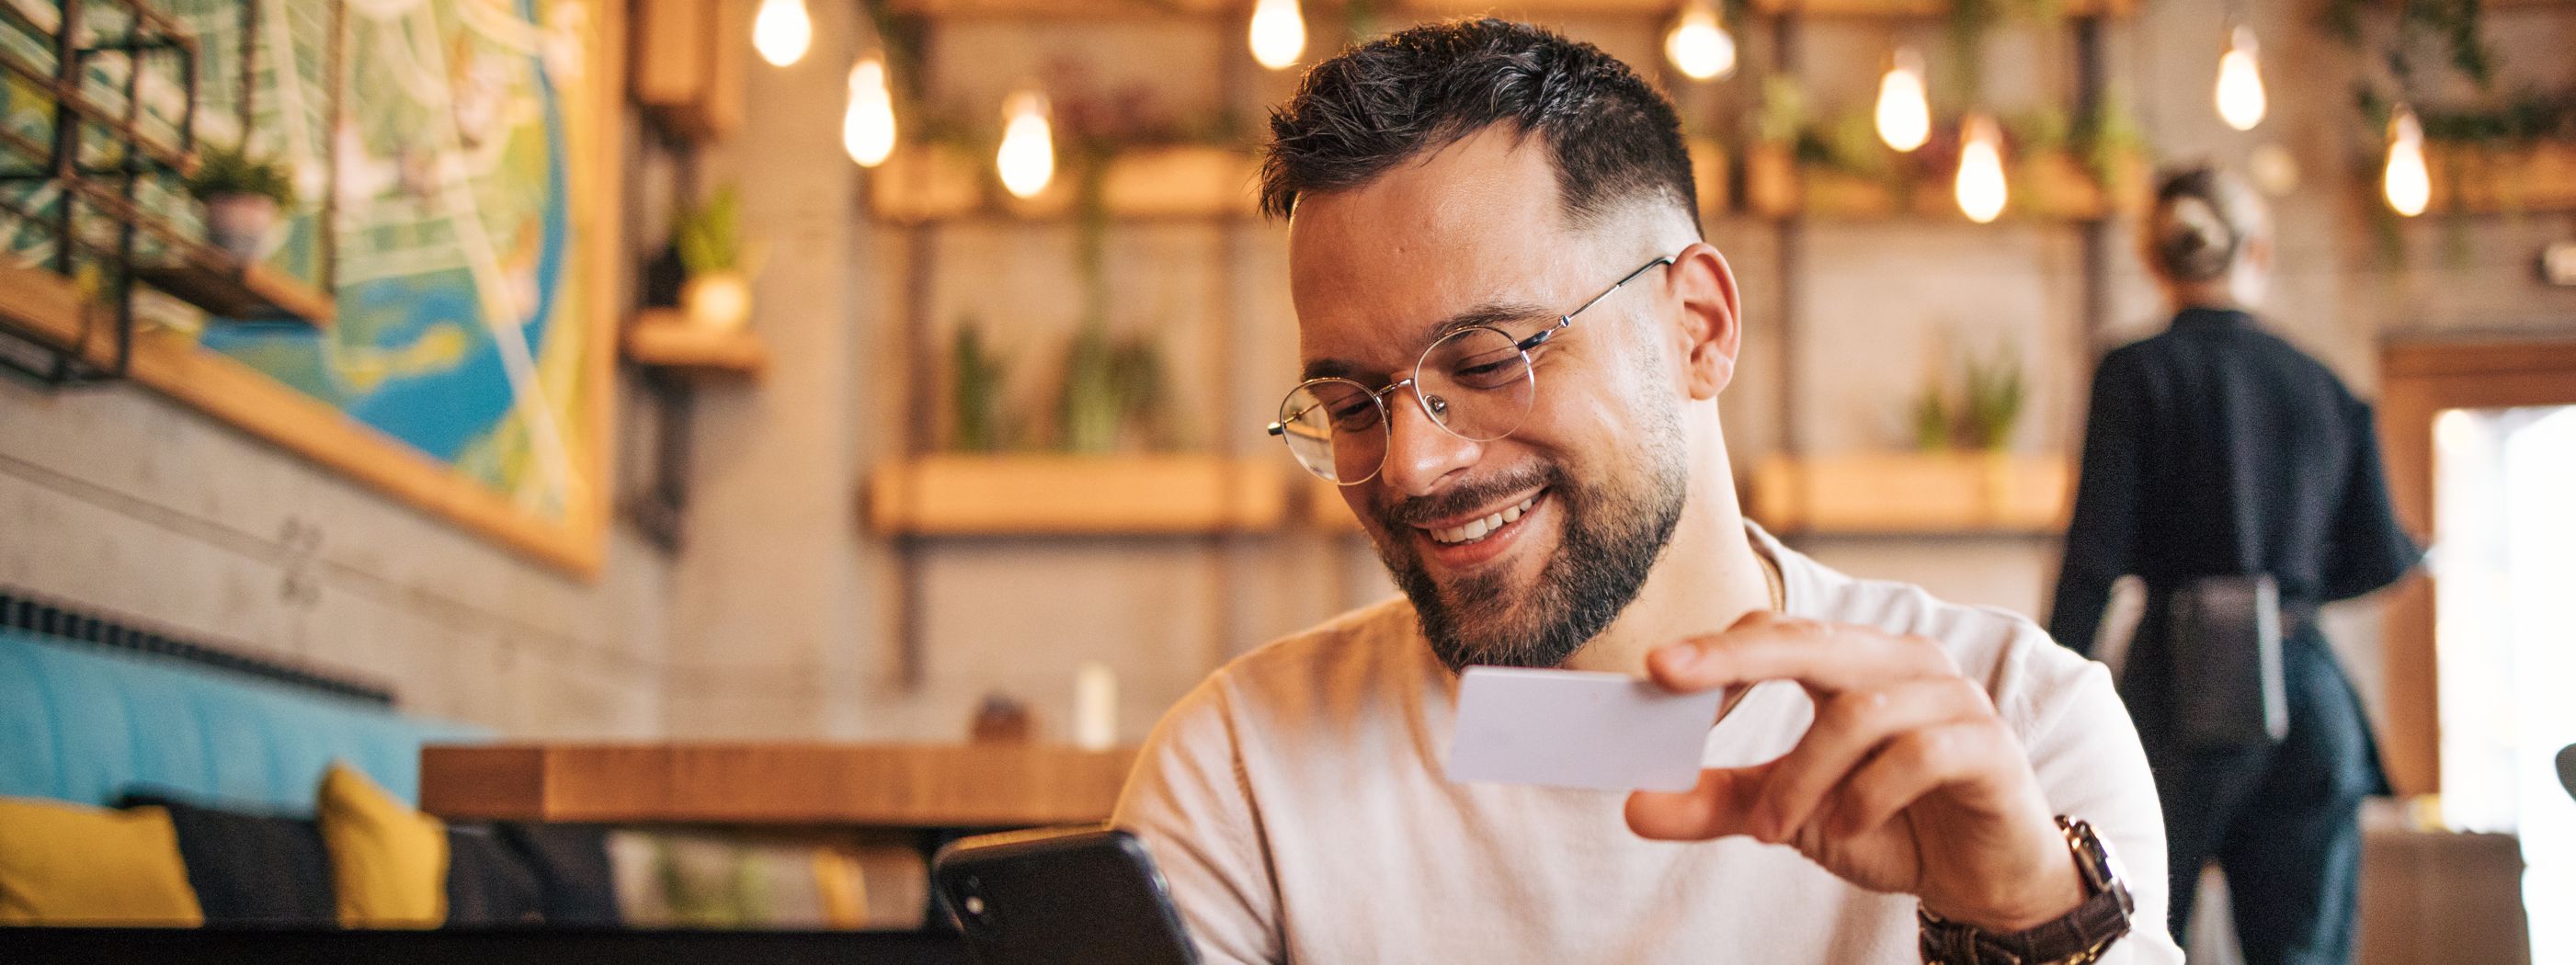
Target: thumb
[{"x": 1720, "y": 805}]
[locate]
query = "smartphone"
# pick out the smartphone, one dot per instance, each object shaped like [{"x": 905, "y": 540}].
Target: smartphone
[{"x": 1048, "y": 896}]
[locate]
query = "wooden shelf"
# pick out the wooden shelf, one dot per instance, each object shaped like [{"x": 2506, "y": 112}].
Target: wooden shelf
[
  {"x": 1426, "y": 9},
  {"x": 1385, "y": 9},
  {"x": 1913, "y": 493},
  {"x": 786, "y": 784},
  {"x": 1040, "y": 495},
  {"x": 230, "y": 290},
  {"x": 930, "y": 183},
  {"x": 665, "y": 339},
  {"x": 1923, "y": 8},
  {"x": 688, "y": 70},
  {"x": 936, "y": 182},
  {"x": 2538, "y": 178},
  {"x": 2050, "y": 187},
  {"x": 43, "y": 306}
]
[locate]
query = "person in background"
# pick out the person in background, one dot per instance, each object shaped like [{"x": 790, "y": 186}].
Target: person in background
[
  {"x": 1514, "y": 339},
  {"x": 2217, "y": 449}
]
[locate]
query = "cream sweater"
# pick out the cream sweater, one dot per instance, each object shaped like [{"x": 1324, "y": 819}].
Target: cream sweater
[{"x": 1296, "y": 802}]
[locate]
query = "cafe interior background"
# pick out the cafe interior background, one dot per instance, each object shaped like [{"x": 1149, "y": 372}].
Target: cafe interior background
[{"x": 864, "y": 373}]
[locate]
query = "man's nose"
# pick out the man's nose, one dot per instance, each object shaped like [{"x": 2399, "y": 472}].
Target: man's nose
[{"x": 1419, "y": 453}]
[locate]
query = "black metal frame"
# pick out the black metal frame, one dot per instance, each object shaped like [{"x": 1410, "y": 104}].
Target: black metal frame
[
  {"x": 137, "y": 157},
  {"x": 112, "y": 190},
  {"x": 34, "y": 614}
]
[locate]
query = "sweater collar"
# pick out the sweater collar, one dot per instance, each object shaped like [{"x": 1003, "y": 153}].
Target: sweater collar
[{"x": 2197, "y": 315}]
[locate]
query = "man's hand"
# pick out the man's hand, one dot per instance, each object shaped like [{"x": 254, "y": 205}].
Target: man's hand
[{"x": 1908, "y": 781}]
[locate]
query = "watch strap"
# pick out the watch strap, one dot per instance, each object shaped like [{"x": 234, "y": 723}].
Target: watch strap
[{"x": 2076, "y": 937}]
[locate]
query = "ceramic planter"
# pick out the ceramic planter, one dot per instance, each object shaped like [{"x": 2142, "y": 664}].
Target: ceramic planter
[
  {"x": 240, "y": 224},
  {"x": 717, "y": 301}
]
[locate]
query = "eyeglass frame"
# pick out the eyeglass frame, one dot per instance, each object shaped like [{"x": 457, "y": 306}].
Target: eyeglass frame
[{"x": 1377, "y": 397}]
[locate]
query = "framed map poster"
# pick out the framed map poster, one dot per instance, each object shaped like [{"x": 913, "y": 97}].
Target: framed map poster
[{"x": 457, "y": 165}]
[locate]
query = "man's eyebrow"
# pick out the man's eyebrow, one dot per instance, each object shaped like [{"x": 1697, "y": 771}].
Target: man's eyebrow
[{"x": 1497, "y": 314}]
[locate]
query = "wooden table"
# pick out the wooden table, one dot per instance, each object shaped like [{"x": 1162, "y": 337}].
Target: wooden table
[{"x": 775, "y": 784}]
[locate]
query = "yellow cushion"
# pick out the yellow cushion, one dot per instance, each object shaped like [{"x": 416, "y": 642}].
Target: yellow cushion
[
  {"x": 70, "y": 864},
  {"x": 388, "y": 862}
]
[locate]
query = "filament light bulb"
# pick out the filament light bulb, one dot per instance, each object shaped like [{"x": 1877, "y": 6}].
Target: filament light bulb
[
  {"x": 1698, "y": 45},
  {"x": 1278, "y": 33},
  {"x": 1027, "y": 157},
  {"x": 1981, "y": 170},
  {"x": 867, "y": 130},
  {"x": 782, "y": 31},
  {"x": 2407, "y": 183},
  {"x": 2240, "y": 82},
  {"x": 1904, "y": 116}
]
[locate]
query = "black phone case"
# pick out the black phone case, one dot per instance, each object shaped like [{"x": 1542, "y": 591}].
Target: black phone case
[{"x": 1052, "y": 896}]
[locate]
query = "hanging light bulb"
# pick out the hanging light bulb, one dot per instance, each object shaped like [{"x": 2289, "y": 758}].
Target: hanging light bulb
[
  {"x": 2408, "y": 185},
  {"x": 867, "y": 130},
  {"x": 1904, "y": 117},
  {"x": 2240, "y": 82},
  {"x": 781, "y": 31},
  {"x": 1027, "y": 157},
  {"x": 1698, "y": 45},
  {"x": 1981, "y": 170},
  {"x": 1278, "y": 33}
]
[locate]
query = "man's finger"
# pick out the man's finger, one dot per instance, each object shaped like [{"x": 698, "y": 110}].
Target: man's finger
[
  {"x": 1716, "y": 808},
  {"x": 1848, "y": 727},
  {"x": 1825, "y": 657},
  {"x": 1915, "y": 764}
]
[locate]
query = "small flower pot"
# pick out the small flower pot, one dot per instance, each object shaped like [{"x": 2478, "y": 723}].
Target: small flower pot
[
  {"x": 717, "y": 301},
  {"x": 240, "y": 224}
]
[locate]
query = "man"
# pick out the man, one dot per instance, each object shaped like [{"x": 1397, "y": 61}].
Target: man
[{"x": 1551, "y": 489}]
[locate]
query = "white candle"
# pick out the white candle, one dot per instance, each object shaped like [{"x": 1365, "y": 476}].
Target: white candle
[{"x": 1095, "y": 707}]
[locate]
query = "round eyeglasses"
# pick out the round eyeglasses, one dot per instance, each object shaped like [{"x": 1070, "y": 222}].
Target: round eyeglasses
[{"x": 1475, "y": 382}]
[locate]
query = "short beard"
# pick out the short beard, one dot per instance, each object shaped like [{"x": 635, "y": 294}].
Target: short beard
[{"x": 1611, "y": 542}]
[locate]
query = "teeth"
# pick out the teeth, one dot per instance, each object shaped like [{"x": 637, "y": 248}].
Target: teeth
[{"x": 1478, "y": 529}]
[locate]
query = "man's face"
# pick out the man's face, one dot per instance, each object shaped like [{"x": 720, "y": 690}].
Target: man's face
[{"x": 1587, "y": 490}]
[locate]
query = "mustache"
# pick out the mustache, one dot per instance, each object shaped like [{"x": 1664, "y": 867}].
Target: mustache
[{"x": 1417, "y": 510}]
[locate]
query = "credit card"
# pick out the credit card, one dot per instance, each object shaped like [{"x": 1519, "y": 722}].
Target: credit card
[{"x": 1573, "y": 728}]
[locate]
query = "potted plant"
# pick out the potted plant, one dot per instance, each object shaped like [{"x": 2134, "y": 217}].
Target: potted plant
[
  {"x": 242, "y": 195},
  {"x": 717, "y": 294}
]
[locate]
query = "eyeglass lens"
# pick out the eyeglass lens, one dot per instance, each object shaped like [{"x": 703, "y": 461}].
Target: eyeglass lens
[{"x": 1475, "y": 383}]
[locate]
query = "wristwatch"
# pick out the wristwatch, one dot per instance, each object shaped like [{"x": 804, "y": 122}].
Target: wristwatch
[{"x": 2078, "y": 937}]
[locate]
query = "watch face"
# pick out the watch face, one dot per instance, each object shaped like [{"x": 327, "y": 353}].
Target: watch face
[{"x": 2111, "y": 858}]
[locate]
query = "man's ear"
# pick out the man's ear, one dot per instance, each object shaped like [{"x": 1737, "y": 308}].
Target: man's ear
[{"x": 1709, "y": 330}]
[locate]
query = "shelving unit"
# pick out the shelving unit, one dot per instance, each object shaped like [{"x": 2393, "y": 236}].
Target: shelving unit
[
  {"x": 2537, "y": 178},
  {"x": 1060, "y": 495},
  {"x": 665, "y": 340},
  {"x": 97, "y": 214},
  {"x": 1876, "y": 9},
  {"x": 2047, "y": 187},
  {"x": 1912, "y": 494},
  {"x": 1901, "y": 494},
  {"x": 688, "y": 66}
]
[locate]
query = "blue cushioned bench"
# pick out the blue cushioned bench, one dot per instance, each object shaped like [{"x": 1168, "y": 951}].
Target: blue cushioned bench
[{"x": 86, "y": 722}]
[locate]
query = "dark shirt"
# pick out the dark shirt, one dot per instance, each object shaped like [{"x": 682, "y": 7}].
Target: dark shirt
[{"x": 2216, "y": 448}]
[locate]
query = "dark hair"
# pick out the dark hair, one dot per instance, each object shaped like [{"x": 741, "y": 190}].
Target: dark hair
[
  {"x": 2202, "y": 218},
  {"x": 1613, "y": 139}
]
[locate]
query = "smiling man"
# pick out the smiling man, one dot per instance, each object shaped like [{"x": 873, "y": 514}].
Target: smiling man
[{"x": 1515, "y": 343}]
